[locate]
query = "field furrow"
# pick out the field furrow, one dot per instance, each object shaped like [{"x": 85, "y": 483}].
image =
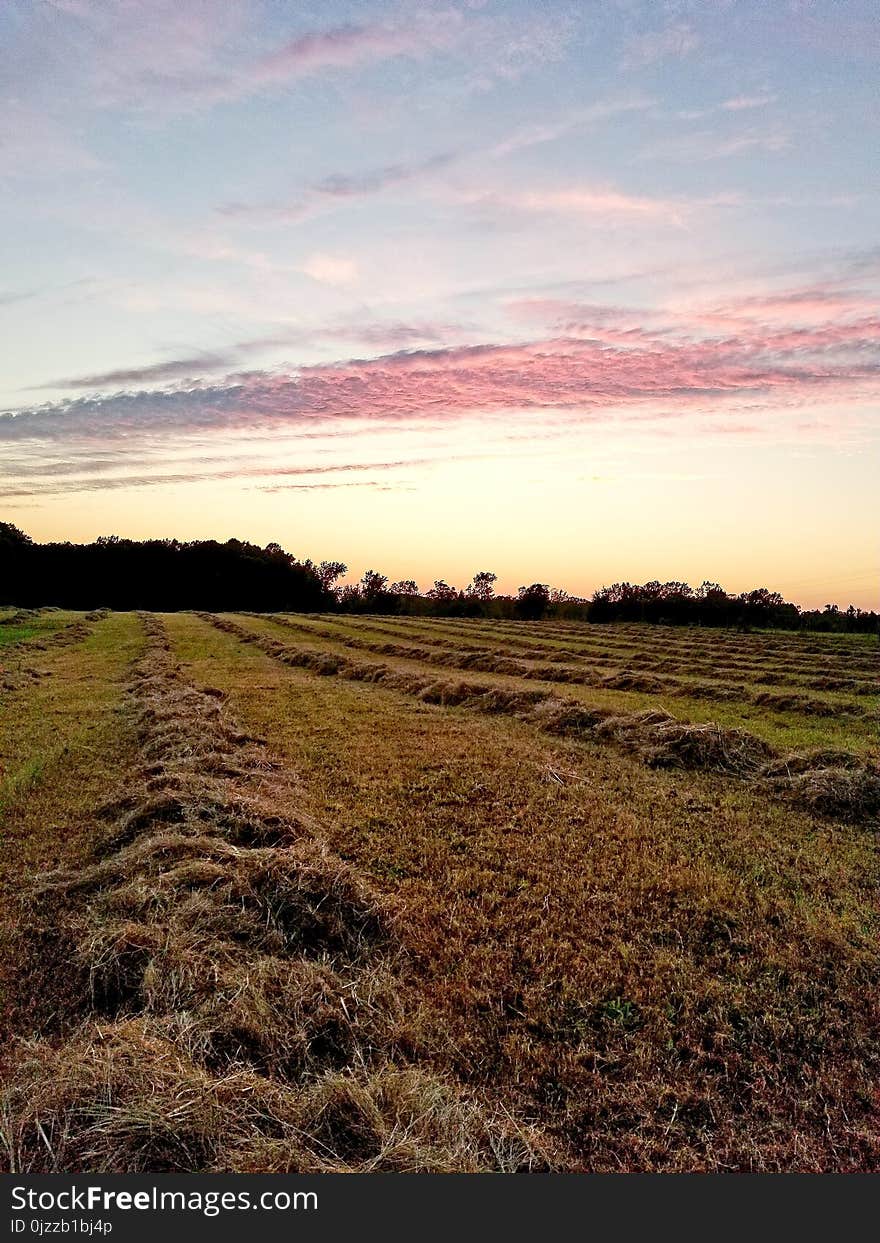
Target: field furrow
[
  {"x": 364, "y": 894},
  {"x": 497, "y": 660},
  {"x": 644, "y": 961},
  {"x": 834, "y": 783},
  {"x": 232, "y": 1000},
  {"x": 652, "y": 648}
]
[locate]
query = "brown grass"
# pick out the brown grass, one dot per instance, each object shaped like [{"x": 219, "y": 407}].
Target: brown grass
[
  {"x": 664, "y": 967},
  {"x": 532, "y": 664},
  {"x": 247, "y": 1004},
  {"x": 657, "y": 738},
  {"x": 431, "y": 924}
]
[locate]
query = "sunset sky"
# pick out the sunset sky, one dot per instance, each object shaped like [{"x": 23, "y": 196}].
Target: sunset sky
[{"x": 572, "y": 292}]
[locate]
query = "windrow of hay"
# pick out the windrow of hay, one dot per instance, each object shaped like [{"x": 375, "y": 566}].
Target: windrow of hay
[
  {"x": 13, "y": 678},
  {"x": 688, "y": 640},
  {"x": 14, "y": 674},
  {"x": 692, "y": 643},
  {"x": 655, "y": 737},
  {"x": 230, "y": 995},
  {"x": 710, "y": 655},
  {"x": 489, "y": 660},
  {"x": 20, "y": 617},
  {"x": 67, "y": 636}
]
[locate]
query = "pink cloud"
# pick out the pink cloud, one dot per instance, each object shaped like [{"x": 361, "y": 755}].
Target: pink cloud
[
  {"x": 348, "y": 46},
  {"x": 814, "y": 316},
  {"x": 599, "y": 201},
  {"x": 597, "y": 366},
  {"x": 810, "y": 303},
  {"x": 593, "y": 201},
  {"x": 172, "y": 55}
]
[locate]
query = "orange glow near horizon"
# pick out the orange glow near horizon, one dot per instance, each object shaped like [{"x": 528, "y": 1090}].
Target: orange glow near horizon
[{"x": 560, "y": 516}]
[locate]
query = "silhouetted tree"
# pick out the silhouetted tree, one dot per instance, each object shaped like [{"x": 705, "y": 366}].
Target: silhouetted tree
[
  {"x": 532, "y": 602},
  {"x": 481, "y": 588},
  {"x": 442, "y": 592},
  {"x": 329, "y": 572},
  {"x": 158, "y": 574},
  {"x": 12, "y": 538}
]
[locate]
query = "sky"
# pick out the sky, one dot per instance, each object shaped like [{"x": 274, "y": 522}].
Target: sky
[{"x": 572, "y": 292}]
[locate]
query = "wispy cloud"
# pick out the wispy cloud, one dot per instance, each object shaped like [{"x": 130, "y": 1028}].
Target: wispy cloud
[
  {"x": 164, "y": 56},
  {"x": 597, "y": 202},
  {"x": 375, "y": 334},
  {"x": 740, "y": 103},
  {"x": 12, "y": 297},
  {"x": 155, "y": 373},
  {"x": 112, "y": 476},
  {"x": 36, "y": 145},
  {"x": 710, "y": 145},
  {"x": 340, "y": 187},
  {"x": 536, "y": 133},
  {"x": 344, "y": 47},
  {"x": 676, "y": 41},
  {"x": 331, "y": 269}
]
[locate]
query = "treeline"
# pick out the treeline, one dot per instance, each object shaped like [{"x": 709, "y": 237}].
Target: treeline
[
  {"x": 167, "y": 575},
  {"x": 678, "y": 604},
  {"x": 671, "y": 604}
]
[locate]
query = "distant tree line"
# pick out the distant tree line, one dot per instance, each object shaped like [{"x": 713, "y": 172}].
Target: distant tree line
[
  {"x": 168, "y": 575},
  {"x": 678, "y": 604},
  {"x": 165, "y": 575}
]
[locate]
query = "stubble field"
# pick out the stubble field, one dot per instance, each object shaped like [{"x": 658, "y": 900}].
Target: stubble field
[{"x": 333, "y": 893}]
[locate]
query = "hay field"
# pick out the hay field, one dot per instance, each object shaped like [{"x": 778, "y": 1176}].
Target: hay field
[{"x": 334, "y": 893}]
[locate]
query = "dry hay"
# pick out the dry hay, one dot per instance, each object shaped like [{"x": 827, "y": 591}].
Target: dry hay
[
  {"x": 124, "y": 1098},
  {"x": 16, "y": 675},
  {"x": 805, "y": 705},
  {"x": 489, "y": 660},
  {"x": 641, "y": 682},
  {"x": 843, "y": 791},
  {"x": 661, "y": 741},
  {"x": 397, "y": 1120},
  {"x": 231, "y": 998},
  {"x": 68, "y": 635},
  {"x": 797, "y": 764},
  {"x": 851, "y": 686},
  {"x": 562, "y": 716},
  {"x": 20, "y": 617},
  {"x": 654, "y": 736},
  {"x": 15, "y": 679}
]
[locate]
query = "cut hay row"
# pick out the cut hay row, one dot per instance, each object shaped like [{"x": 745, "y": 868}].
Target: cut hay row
[
  {"x": 836, "y": 784},
  {"x": 809, "y": 642},
  {"x": 230, "y": 999},
  {"x": 763, "y": 640},
  {"x": 15, "y": 675},
  {"x": 684, "y": 642},
  {"x": 808, "y": 675},
  {"x": 851, "y": 677},
  {"x": 498, "y": 661},
  {"x": 66, "y": 636},
  {"x": 20, "y": 617}
]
